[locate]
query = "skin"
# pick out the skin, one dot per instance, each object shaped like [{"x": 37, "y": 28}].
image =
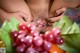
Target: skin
[
  {"x": 59, "y": 6},
  {"x": 15, "y": 9},
  {"x": 39, "y": 8},
  {"x": 6, "y": 16}
]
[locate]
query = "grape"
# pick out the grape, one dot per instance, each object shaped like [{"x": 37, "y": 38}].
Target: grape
[
  {"x": 23, "y": 26},
  {"x": 39, "y": 49},
  {"x": 56, "y": 32},
  {"x": 14, "y": 44},
  {"x": 47, "y": 45},
  {"x": 42, "y": 35},
  {"x": 21, "y": 32},
  {"x": 20, "y": 39},
  {"x": 31, "y": 50},
  {"x": 49, "y": 36},
  {"x": 31, "y": 27},
  {"x": 45, "y": 52},
  {"x": 20, "y": 48},
  {"x": 34, "y": 33},
  {"x": 38, "y": 41},
  {"x": 59, "y": 40},
  {"x": 14, "y": 34},
  {"x": 28, "y": 40}
]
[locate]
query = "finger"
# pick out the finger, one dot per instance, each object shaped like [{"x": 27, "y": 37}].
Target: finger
[
  {"x": 57, "y": 4},
  {"x": 54, "y": 19},
  {"x": 23, "y": 16},
  {"x": 26, "y": 17},
  {"x": 20, "y": 19},
  {"x": 62, "y": 10}
]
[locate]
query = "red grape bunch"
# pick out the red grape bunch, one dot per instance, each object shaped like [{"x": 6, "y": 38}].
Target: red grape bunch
[{"x": 28, "y": 40}]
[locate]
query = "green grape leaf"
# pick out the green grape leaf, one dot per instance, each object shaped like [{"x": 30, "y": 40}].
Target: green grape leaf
[
  {"x": 63, "y": 23},
  {"x": 5, "y": 33},
  {"x": 73, "y": 40},
  {"x": 7, "y": 40},
  {"x": 14, "y": 22},
  {"x": 68, "y": 48},
  {"x": 55, "y": 24},
  {"x": 75, "y": 28},
  {"x": 71, "y": 34}
]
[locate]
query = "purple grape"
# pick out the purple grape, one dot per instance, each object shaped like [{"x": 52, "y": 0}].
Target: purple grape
[
  {"x": 23, "y": 26},
  {"x": 34, "y": 33},
  {"x": 38, "y": 41},
  {"x": 31, "y": 50},
  {"x": 21, "y": 32},
  {"x": 39, "y": 49},
  {"x": 14, "y": 34},
  {"x": 20, "y": 39},
  {"x": 42, "y": 35},
  {"x": 45, "y": 52},
  {"x": 56, "y": 32},
  {"x": 59, "y": 40},
  {"x": 28, "y": 40},
  {"x": 20, "y": 48},
  {"x": 31, "y": 27},
  {"x": 47, "y": 45},
  {"x": 49, "y": 36}
]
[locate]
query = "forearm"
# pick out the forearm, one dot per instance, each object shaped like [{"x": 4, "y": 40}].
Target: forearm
[{"x": 14, "y": 6}]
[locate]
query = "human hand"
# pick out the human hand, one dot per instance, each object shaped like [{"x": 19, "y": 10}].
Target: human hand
[
  {"x": 58, "y": 4},
  {"x": 16, "y": 9},
  {"x": 18, "y": 15},
  {"x": 58, "y": 15}
]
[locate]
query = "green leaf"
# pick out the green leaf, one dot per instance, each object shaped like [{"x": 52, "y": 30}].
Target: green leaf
[
  {"x": 5, "y": 26},
  {"x": 67, "y": 23},
  {"x": 75, "y": 29},
  {"x": 55, "y": 24},
  {"x": 7, "y": 40},
  {"x": 8, "y": 26},
  {"x": 71, "y": 34},
  {"x": 14, "y": 22},
  {"x": 4, "y": 34},
  {"x": 68, "y": 48},
  {"x": 66, "y": 31},
  {"x": 73, "y": 40},
  {"x": 63, "y": 24}
]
